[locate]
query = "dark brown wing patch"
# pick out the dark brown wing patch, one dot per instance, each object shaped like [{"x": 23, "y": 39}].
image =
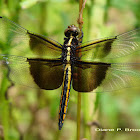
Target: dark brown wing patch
[
  {"x": 88, "y": 76},
  {"x": 46, "y": 74}
]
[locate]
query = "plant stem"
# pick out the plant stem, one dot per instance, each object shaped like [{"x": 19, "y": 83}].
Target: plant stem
[{"x": 79, "y": 94}]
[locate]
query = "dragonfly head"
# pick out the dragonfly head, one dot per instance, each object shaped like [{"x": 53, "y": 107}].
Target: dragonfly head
[{"x": 72, "y": 30}]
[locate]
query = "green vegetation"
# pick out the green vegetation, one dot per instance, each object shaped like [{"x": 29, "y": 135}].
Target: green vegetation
[{"x": 30, "y": 114}]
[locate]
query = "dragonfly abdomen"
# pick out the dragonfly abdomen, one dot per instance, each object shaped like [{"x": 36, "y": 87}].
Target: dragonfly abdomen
[{"x": 65, "y": 94}]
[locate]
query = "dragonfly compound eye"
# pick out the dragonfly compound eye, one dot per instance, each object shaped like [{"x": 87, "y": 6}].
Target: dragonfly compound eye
[{"x": 72, "y": 30}]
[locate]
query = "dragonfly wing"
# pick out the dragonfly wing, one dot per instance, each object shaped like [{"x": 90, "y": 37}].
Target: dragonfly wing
[
  {"x": 88, "y": 76},
  {"x": 107, "y": 76},
  {"x": 25, "y": 43},
  {"x": 120, "y": 76},
  {"x": 118, "y": 46},
  {"x": 36, "y": 73}
]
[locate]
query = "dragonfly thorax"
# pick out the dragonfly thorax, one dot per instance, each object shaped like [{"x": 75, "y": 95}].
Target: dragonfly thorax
[
  {"x": 70, "y": 44},
  {"x": 69, "y": 49}
]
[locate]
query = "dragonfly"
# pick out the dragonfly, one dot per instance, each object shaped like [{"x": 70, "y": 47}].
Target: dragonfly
[{"x": 46, "y": 64}]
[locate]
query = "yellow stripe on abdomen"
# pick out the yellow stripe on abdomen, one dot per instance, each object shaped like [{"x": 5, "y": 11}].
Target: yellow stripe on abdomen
[{"x": 65, "y": 94}]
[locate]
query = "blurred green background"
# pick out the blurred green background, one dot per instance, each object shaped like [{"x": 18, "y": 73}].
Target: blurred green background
[{"x": 31, "y": 114}]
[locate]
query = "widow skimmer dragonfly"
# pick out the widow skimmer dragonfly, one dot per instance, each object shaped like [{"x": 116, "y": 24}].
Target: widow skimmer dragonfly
[{"x": 46, "y": 64}]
